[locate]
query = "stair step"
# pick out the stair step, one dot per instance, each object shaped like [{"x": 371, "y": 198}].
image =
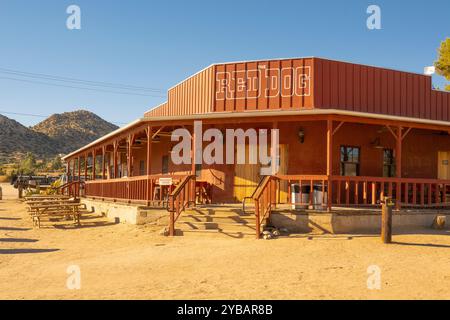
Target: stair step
[{"x": 218, "y": 219}]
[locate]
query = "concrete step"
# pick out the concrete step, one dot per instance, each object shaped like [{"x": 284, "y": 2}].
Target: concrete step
[
  {"x": 219, "y": 219},
  {"x": 217, "y": 233},
  {"x": 214, "y": 225}
]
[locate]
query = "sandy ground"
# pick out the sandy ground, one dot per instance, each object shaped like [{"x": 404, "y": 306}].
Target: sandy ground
[{"x": 129, "y": 262}]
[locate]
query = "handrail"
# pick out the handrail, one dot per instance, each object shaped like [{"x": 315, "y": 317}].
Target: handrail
[
  {"x": 73, "y": 188},
  {"x": 253, "y": 194},
  {"x": 264, "y": 201},
  {"x": 180, "y": 199}
]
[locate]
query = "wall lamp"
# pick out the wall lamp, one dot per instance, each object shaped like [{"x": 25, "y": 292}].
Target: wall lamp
[{"x": 301, "y": 135}]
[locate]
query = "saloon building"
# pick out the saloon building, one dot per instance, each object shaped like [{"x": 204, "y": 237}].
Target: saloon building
[{"x": 356, "y": 133}]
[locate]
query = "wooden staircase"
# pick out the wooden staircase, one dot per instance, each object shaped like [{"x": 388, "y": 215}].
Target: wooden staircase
[{"x": 223, "y": 220}]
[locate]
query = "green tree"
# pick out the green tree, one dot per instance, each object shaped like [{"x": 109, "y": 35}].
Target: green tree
[
  {"x": 443, "y": 63},
  {"x": 28, "y": 165},
  {"x": 56, "y": 163}
]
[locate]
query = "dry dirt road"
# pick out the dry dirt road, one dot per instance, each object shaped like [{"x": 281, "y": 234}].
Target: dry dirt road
[{"x": 129, "y": 262}]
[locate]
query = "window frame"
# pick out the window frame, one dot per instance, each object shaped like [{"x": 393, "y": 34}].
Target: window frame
[{"x": 343, "y": 163}]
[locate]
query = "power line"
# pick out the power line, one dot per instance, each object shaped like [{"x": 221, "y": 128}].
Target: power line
[
  {"x": 80, "y": 81},
  {"x": 82, "y": 88},
  {"x": 42, "y": 116}
]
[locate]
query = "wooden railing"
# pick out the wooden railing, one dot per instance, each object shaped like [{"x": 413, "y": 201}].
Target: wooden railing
[
  {"x": 325, "y": 192},
  {"x": 142, "y": 189},
  {"x": 74, "y": 189},
  {"x": 369, "y": 191},
  {"x": 265, "y": 201},
  {"x": 181, "y": 198}
]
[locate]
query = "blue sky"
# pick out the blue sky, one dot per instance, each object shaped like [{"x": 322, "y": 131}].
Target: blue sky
[{"x": 156, "y": 44}]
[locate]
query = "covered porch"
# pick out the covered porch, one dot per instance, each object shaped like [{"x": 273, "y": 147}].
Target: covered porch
[{"x": 355, "y": 160}]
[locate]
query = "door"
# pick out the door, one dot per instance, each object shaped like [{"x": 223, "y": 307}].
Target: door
[
  {"x": 247, "y": 177},
  {"x": 443, "y": 165}
]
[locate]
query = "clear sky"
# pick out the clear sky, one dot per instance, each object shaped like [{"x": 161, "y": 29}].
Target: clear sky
[{"x": 156, "y": 44}]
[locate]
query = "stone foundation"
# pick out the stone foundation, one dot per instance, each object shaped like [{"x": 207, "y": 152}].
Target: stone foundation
[
  {"x": 128, "y": 213},
  {"x": 343, "y": 223}
]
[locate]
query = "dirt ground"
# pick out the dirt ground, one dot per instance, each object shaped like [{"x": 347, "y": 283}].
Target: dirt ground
[{"x": 129, "y": 262}]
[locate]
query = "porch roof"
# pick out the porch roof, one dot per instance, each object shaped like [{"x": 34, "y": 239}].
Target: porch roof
[{"x": 273, "y": 115}]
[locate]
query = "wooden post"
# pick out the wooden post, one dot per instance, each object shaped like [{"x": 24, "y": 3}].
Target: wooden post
[
  {"x": 79, "y": 168},
  {"x": 398, "y": 159},
  {"x": 386, "y": 220},
  {"x": 258, "y": 223},
  {"x": 129, "y": 160},
  {"x": 103, "y": 162},
  {"x": 85, "y": 166},
  {"x": 149, "y": 163},
  {"x": 94, "y": 160},
  {"x": 116, "y": 146},
  {"x": 329, "y": 162},
  {"x": 193, "y": 150}
]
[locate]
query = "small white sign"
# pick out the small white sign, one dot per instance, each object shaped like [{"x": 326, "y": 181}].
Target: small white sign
[
  {"x": 429, "y": 71},
  {"x": 165, "y": 181}
]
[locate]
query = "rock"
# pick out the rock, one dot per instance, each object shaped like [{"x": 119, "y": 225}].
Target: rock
[
  {"x": 439, "y": 222},
  {"x": 267, "y": 237},
  {"x": 276, "y": 233},
  {"x": 164, "y": 232}
]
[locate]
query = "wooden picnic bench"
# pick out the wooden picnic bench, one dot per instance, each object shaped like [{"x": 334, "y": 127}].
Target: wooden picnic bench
[
  {"x": 42, "y": 198},
  {"x": 60, "y": 209}
]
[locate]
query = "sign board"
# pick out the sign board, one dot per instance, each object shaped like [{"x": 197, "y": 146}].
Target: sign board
[{"x": 165, "y": 181}]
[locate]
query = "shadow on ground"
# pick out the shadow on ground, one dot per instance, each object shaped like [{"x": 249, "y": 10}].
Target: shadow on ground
[{"x": 26, "y": 251}]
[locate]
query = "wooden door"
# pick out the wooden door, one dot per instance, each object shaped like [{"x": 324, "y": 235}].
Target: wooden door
[
  {"x": 247, "y": 177},
  {"x": 443, "y": 165}
]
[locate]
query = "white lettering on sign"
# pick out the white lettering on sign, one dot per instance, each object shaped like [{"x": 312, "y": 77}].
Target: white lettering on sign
[
  {"x": 263, "y": 82},
  {"x": 165, "y": 181}
]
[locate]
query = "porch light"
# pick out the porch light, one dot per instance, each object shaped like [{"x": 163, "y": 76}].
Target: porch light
[
  {"x": 301, "y": 135},
  {"x": 376, "y": 144}
]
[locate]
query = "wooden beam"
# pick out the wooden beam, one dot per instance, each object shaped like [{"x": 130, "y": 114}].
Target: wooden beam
[
  {"x": 330, "y": 134},
  {"x": 406, "y": 133},
  {"x": 338, "y": 127}
]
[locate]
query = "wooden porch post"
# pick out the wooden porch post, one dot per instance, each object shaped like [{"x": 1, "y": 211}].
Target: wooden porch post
[
  {"x": 85, "y": 166},
  {"x": 149, "y": 163},
  {"x": 115, "y": 145},
  {"x": 104, "y": 162},
  {"x": 93, "y": 164},
  {"x": 194, "y": 150},
  {"x": 68, "y": 170},
  {"x": 398, "y": 159},
  {"x": 129, "y": 156},
  {"x": 329, "y": 162},
  {"x": 79, "y": 168}
]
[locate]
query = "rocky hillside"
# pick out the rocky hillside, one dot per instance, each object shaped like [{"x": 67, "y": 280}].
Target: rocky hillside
[
  {"x": 71, "y": 130},
  {"x": 60, "y": 133},
  {"x": 16, "y": 140}
]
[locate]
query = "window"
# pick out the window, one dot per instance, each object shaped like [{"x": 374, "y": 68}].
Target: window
[
  {"x": 165, "y": 164},
  {"x": 350, "y": 161},
  {"x": 142, "y": 168},
  {"x": 388, "y": 163}
]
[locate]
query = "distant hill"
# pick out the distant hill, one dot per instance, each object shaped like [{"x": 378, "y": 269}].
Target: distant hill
[
  {"x": 60, "y": 133},
  {"x": 16, "y": 140},
  {"x": 72, "y": 130}
]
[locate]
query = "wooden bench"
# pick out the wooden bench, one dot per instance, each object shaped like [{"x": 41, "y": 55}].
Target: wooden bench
[{"x": 67, "y": 209}]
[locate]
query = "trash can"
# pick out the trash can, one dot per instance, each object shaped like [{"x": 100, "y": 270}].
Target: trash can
[
  {"x": 320, "y": 197},
  {"x": 300, "y": 202}
]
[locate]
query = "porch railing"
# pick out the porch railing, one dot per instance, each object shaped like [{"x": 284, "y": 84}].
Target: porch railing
[
  {"x": 142, "y": 189},
  {"x": 180, "y": 199},
  {"x": 73, "y": 189},
  {"x": 349, "y": 192},
  {"x": 265, "y": 200}
]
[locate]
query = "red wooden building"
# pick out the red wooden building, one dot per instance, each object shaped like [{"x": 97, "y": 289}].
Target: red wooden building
[{"x": 359, "y": 132}]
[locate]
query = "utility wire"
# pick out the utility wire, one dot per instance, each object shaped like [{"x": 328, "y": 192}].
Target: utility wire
[
  {"x": 42, "y": 116},
  {"x": 82, "y": 88},
  {"x": 79, "y": 81}
]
